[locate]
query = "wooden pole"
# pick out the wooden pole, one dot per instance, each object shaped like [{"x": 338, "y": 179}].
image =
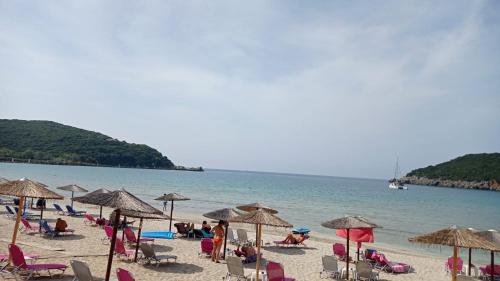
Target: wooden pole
[
  {"x": 41, "y": 217},
  {"x": 138, "y": 239},
  {"x": 259, "y": 228},
  {"x": 123, "y": 230},
  {"x": 72, "y": 194},
  {"x": 171, "y": 212},
  {"x": 470, "y": 261},
  {"x": 225, "y": 240},
  {"x": 112, "y": 246},
  {"x": 18, "y": 219},
  {"x": 100, "y": 212},
  {"x": 347, "y": 258},
  {"x": 455, "y": 263},
  {"x": 492, "y": 266}
]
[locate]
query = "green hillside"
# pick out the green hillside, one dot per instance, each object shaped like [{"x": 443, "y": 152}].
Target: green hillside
[
  {"x": 54, "y": 143},
  {"x": 470, "y": 167}
]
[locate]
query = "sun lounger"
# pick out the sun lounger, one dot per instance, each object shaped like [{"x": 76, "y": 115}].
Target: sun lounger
[
  {"x": 207, "y": 246},
  {"x": 121, "y": 251},
  {"x": 27, "y": 215},
  {"x": 81, "y": 270},
  {"x": 339, "y": 251},
  {"x": 275, "y": 272},
  {"x": 159, "y": 234},
  {"x": 230, "y": 236},
  {"x": 108, "y": 230},
  {"x": 243, "y": 237},
  {"x": 283, "y": 243},
  {"x": 330, "y": 267},
  {"x": 183, "y": 229},
  {"x": 448, "y": 265},
  {"x": 49, "y": 231},
  {"x": 364, "y": 271},
  {"x": 393, "y": 267},
  {"x": 22, "y": 267},
  {"x": 200, "y": 233},
  {"x": 486, "y": 271},
  {"x": 130, "y": 236},
  {"x": 89, "y": 219},
  {"x": 10, "y": 214},
  {"x": 235, "y": 270},
  {"x": 74, "y": 213},
  {"x": 26, "y": 227},
  {"x": 124, "y": 275},
  {"x": 59, "y": 210},
  {"x": 150, "y": 256}
]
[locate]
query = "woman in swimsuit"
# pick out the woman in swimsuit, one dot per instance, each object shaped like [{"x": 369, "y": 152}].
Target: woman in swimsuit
[
  {"x": 218, "y": 231},
  {"x": 291, "y": 239}
]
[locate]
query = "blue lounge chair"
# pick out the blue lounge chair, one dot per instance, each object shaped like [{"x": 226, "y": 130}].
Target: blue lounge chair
[
  {"x": 26, "y": 215},
  {"x": 10, "y": 213},
  {"x": 59, "y": 210},
  {"x": 200, "y": 233},
  {"x": 49, "y": 231},
  {"x": 72, "y": 211}
]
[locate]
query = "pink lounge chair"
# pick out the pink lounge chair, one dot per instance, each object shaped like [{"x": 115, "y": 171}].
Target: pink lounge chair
[
  {"x": 275, "y": 272},
  {"x": 448, "y": 265},
  {"x": 108, "y": 230},
  {"x": 206, "y": 247},
  {"x": 130, "y": 236},
  {"x": 27, "y": 228},
  {"x": 394, "y": 267},
  {"x": 339, "y": 251},
  {"x": 21, "y": 266},
  {"x": 89, "y": 219},
  {"x": 486, "y": 270},
  {"x": 124, "y": 275},
  {"x": 121, "y": 251}
]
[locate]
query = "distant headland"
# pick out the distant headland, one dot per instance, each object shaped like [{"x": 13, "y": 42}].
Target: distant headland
[
  {"x": 471, "y": 171},
  {"x": 47, "y": 142}
]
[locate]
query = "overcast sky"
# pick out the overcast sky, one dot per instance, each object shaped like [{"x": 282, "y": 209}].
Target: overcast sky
[{"x": 317, "y": 87}]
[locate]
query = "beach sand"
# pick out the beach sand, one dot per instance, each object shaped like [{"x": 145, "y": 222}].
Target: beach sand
[{"x": 303, "y": 263}]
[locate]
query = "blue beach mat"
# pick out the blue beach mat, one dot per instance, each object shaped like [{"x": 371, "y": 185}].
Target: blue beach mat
[{"x": 159, "y": 234}]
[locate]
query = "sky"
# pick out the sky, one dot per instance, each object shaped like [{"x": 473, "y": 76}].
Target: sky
[{"x": 338, "y": 88}]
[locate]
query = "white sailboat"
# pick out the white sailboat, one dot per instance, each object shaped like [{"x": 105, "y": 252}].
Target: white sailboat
[{"x": 396, "y": 182}]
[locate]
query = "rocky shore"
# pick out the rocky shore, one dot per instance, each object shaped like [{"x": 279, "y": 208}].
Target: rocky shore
[{"x": 485, "y": 185}]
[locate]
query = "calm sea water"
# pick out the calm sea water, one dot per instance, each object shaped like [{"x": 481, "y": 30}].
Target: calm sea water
[{"x": 301, "y": 199}]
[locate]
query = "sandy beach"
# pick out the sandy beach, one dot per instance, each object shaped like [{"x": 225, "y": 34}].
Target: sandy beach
[{"x": 303, "y": 263}]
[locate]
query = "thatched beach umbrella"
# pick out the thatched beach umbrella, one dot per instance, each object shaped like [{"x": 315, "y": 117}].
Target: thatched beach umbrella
[
  {"x": 26, "y": 188},
  {"x": 3, "y": 180},
  {"x": 226, "y": 215},
  {"x": 91, "y": 197},
  {"x": 172, "y": 197},
  {"x": 73, "y": 188},
  {"x": 254, "y": 207},
  {"x": 260, "y": 218},
  {"x": 457, "y": 238},
  {"x": 127, "y": 204},
  {"x": 348, "y": 223},
  {"x": 494, "y": 237}
]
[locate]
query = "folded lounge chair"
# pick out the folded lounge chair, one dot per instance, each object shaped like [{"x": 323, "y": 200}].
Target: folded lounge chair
[
  {"x": 207, "y": 246},
  {"x": 235, "y": 270},
  {"x": 124, "y": 275},
  {"x": 74, "y": 213},
  {"x": 131, "y": 239},
  {"x": 26, "y": 227},
  {"x": 81, "y": 270},
  {"x": 22, "y": 267},
  {"x": 49, "y": 231},
  {"x": 364, "y": 271},
  {"x": 393, "y": 267},
  {"x": 275, "y": 272},
  {"x": 330, "y": 267},
  {"x": 121, "y": 251},
  {"x": 150, "y": 256}
]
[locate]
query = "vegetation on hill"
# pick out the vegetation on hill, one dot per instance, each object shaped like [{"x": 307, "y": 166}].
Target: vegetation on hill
[
  {"x": 470, "y": 167},
  {"x": 54, "y": 143}
]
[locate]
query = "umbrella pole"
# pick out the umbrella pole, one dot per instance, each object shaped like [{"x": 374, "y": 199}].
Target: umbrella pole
[
  {"x": 100, "y": 212},
  {"x": 41, "y": 218},
  {"x": 124, "y": 225},
  {"x": 358, "y": 252},
  {"x": 347, "y": 258},
  {"x": 18, "y": 219},
  {"x": 112, "y": 246},
  {"x": 492, "y": 265},
  {"x": 138, "y": 240},
  {"x": 225, "y": 241},
  {"x": 171, "y": 212},
  {"x": 259, "y": 228},
  {"x": 455, "y": 265},
  {"x": 72, "y": 194},
  {"x": 470, "y": 261}
]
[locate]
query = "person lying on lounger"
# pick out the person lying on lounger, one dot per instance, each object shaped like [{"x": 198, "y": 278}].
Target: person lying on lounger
[{"x": 294, "y": 239}]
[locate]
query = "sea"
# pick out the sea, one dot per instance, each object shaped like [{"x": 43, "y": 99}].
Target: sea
[{"x": 302, "y": 200}]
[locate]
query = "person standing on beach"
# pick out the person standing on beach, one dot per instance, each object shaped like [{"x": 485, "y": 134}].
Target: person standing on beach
[
  {"x": 165, "y": 203},
  {"x": 218, "y": 231}
]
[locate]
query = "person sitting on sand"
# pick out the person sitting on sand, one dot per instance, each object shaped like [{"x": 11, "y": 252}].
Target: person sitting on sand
[
  {"x": 293, "y": 239},
  {"x": 61, "y": 225},
  {"x": 218, "y": 231},
  {"x": 206, "y": 227}
]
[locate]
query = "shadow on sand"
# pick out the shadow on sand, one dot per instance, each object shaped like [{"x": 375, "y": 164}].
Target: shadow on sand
[{"x": 181, "y": 268}]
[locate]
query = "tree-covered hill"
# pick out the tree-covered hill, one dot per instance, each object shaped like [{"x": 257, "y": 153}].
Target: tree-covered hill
[
  {"x": 470, "y": 167},
  {"x": 54, "y": 143}
]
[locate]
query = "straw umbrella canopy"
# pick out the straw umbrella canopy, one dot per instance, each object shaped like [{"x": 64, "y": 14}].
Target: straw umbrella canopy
[
  {"x": 26, "y": 188},
  {"x": 348, "y": 223},
  {"x": 172, "y": 197},
  {"x": 256, "y": 206},
  {"x": 125, "y": 204},
  {"x": 226, "y": 215},
  {"x": 494, "y": 237},
  {"x": 259, "y": 218},
  {"x": 73, "y": 188},
  {"x": 3, "y": 180},
  {"x": 455, "y": 237},
  {"x": 90, "y": 198}
]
